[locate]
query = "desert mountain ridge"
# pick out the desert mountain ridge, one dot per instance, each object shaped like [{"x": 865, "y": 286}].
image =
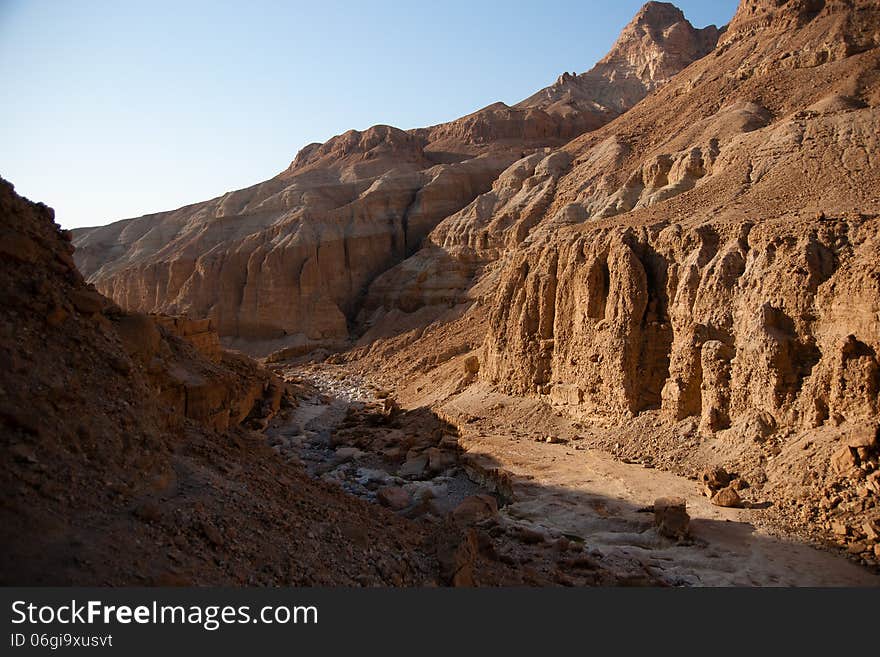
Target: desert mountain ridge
[{"x": 258, "y": 261}]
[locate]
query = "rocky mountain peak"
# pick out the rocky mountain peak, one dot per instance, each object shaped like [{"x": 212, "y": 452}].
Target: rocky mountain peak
[
  {"x": 378, "y": 141},
  {"x": 658, "y": 14},
  {"x": 656, "y": 44}
]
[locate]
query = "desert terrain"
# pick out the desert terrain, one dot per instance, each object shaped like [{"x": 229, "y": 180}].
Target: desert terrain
[{"x": 624, "y": 332}]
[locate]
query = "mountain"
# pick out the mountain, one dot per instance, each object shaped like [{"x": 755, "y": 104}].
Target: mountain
[
  {"x": 289, "y": 260},
  {"x": 696, "y": 282}
]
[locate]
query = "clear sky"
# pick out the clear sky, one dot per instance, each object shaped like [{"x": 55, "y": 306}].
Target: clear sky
[{"x": 113, "y": 109}]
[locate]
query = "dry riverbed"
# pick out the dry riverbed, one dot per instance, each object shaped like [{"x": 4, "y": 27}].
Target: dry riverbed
[{"x": 550, "y": 512}]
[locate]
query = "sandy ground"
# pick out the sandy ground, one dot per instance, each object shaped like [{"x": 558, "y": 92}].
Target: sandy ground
[{"x": 567, "y": 489}]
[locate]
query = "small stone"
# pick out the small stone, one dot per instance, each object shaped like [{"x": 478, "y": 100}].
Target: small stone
[
  {"x": 212, "y": 534},
  {"x": 739, "y": 484},
  {"x": 529, "y": 536},
  {"x": 727, "y": 497},
  {"x": 148, "y": 511},
  {"x": 56, "y": 316},
  {"x": 367, "y": 475},
  {"x": 23, "y": 453},
  {"x": 857, "y": 548}
]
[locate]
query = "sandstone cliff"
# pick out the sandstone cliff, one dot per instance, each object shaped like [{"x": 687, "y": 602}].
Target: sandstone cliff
[{"x": 699, "y": 266}]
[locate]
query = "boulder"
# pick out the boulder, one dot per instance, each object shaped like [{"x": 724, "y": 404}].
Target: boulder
[
  {"x": 474, "y": 509},
  {"x": 671, "y": 517},
  {"x": 440, "y": 460},
  {"x": 863, "y": 437},
  {"x": 394, "y": 497},
  {"x": 139, "y": 336},
  {"x": 715, "y": 479},
  {"x": 471, "y": 365},
  {"x": 414, "y": 467},
  {"x": 88, "y": 301},
  {"x": 727, "y": 497},
  {"x": 344, "y": 454},
  {"x": 844, "y": 459},
  {"x": 390, "y": 407}
]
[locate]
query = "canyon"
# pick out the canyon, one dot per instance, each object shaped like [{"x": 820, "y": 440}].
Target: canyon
[{"x": 496, "y": 349}]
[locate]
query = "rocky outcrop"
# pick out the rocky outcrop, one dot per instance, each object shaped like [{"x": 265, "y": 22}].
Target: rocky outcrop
[{"x": 200, "y": 333}]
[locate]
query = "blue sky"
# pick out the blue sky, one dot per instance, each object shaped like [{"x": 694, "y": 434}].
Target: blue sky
[{"x": 116, "y": 109}]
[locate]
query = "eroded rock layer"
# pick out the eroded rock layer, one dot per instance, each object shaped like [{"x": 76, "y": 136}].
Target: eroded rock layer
[
  {"x": 776, "y": 323},
  {"x": 725, "y": 266}
]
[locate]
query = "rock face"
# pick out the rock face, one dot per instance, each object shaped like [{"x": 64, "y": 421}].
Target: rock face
[
  {"x": 724, "y": 268},
  {"x": 290, "y": 259},
  {"x": 720, "y": 326}
]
